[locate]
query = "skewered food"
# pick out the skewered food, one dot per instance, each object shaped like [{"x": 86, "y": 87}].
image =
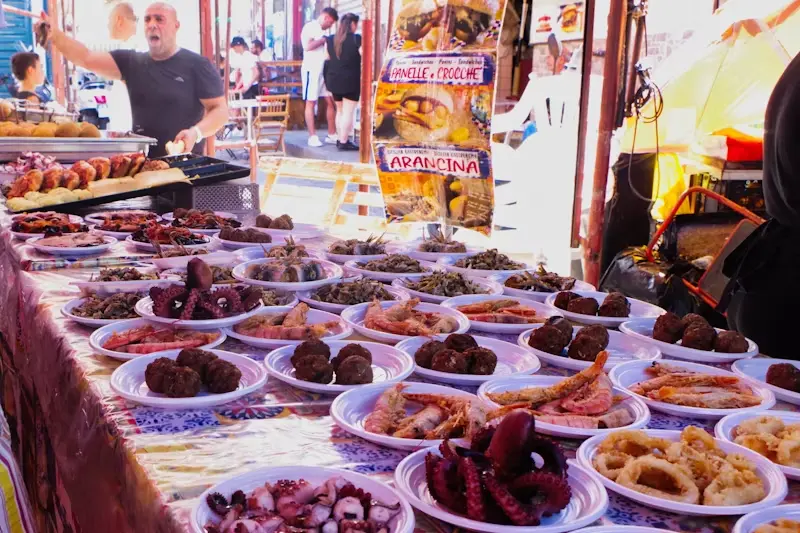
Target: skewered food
[
  {"x": 447, "y": 284},
  {"x": 501, "y": 312},
  {"x": 403, "y": 319},
  {"x": 371, "y": 246},
  {"x": 287, "y": 326},
  {"x": 229, "y": 233},
  {"x": 72, "y": 240},
  {"x": 201, "y": 219},
  {"x": 770, "y": 437},
  {"x": 166, "y": 235},
  {"x": 148, "y": 339},
  {"x": 395, "y": 264},
  {"x": 352, "y": 292},
  {"x": 117, "y": 306},
  {"x": 785, "y": 376},
  {"x": 290, "y": 250},
  {"x": 47, "y": 222},
  {"x": 489, "y": 260},
  {"x": 124, "y": 274},
  {"x": 193, "y": 368},
  {"x": 351, "y": 366},
  {"x": 458, "y": 354},
  {"x": 540, "y": 281},
  {"x": 283, "y": 222},
  {"x": 439, "y": 244},
  {"x": 290, "y": 270}
]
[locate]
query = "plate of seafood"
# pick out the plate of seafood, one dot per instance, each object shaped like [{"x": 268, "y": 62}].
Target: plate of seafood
[
  {"x": 392, "y": 322},
  {"x": 169, "y": 217},
  {"x": 120, "y": 224},
  {"x": 283, "y": 226},
  {"x": 121, "y": 279},
  {"x": 687, "y": 472},
  {"x": 462, "y": 359},
  {"x": 73, "y": 244},
  {"x": 779, "y": 519},
  {"x": 390, "y": 267},
  {"x": 579, "y": 406},
  {"x": 437, "y": 245},
  {"x": 484, "y": 264},
  {"x": 607, "y": 309},
  {"x": 32, "y": 225},
  {"x": 691, "y": 338},
  {"x": 154, "y": 237},
  {"x": 539, "y": 284},
  {"x": 781, "y": 376},
  {"x": 559, "y": 343},
  {"x": 273, "y": 330},
  {"x": 439, "y": 286},
  {"x": 337, "y": 297},
  {"x": 100, "y": 310},
  {"x": 332, "y": 367},
  {"x": 369, "y": 249},
  {"x": 188, "y": 379},
  {"x": 205, "y": 222},
  {"x": 122, "y": 215},
  {"x": 290, "y": 274},
  {"x": 497, "y": 465},
  {"x": 773, "y": 434},
  {"x": 180, "y": 257},
  {"x": 284, "y": 249},
  {"x": 338, "y": 500},
  {"x": 506, "y": 315},
  {"x": 128, "y": 339},
  {"x": 680, "y": 388},
  {"x": 238, "y": 238},
  {"x": 220, "y": 275},
  {"x": 408, "y": 415}
]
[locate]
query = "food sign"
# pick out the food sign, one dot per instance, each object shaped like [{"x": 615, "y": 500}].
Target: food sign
[{"x": 433, "y": 110}]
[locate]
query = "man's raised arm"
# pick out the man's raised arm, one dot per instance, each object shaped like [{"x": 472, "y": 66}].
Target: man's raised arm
[{"x": 99, "y": 62}]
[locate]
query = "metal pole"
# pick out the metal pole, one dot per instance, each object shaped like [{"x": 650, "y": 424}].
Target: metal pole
[
  {"x": 207, "y": 50},
  {"x": 217, "y": 43},
  {"x": 608, "y": 107},
  {"x": 59, "y": 75},
  {"x": 228, "y": 51},
  {"x": 367, "y": 68},
  {"x": 377, "y": 32},
  {"x": 638, "y": 39}
]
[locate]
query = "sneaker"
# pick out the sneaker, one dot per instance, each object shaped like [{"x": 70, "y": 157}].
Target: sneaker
[
  {"x": 331, "y": 140},
  {"x": 314, "y": 141},
  {"x": 347, "y": 147}
]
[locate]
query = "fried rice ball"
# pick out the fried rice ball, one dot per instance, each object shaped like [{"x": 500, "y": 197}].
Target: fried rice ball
[
  {"x": 731, "y": 342},
  {"x": 156, "y": 371},
  {"x": 563, "y": 298},
  {"x": 314, "y": 368},
  {"x": 222, "y": 376},
  {"x": 349, "y": 350},
  {"x": 597, "y": 332},
  {"x": 314, "y": 347},
  {"x": 196, "y": 359},
  {"x": 181, "y": 382},
  {"x": 584, "y": 348},
  {"x": 699, "y": 337},
  {"x": 482, "y": 361},
  {"x": 450, "y": 361},
  {"x": 563, "y": 325},
  {"x": 583, "y": 306},
  {"x": 693, "y": 318},
  {"x": 425, "y": 354},
  {"x": 785, "y": 376},
  {"x": 548, "y": 339},
  {"x": 460, "y": 342},
  {"x": 668, "y": 328},
  {"x": 615, "y": 305},
  {"x": 354, "y": 370}
]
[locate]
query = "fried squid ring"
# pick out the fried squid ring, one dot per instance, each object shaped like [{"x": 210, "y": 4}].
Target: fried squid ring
[
  {"x": 699, "y": 439},
  {"x": 761, "y": 443},
  {"x": 702, "y": 468},
  {"x": 734, "y": 487},
  {"x": 789, "y": 453},
  {"x": 635, "y": 443},
  {"x": 760, "y": 424},
  {"x": 610, "y": 464},
  {"x": 660, "y": 479},
  {"x": 790, "y": 432}
]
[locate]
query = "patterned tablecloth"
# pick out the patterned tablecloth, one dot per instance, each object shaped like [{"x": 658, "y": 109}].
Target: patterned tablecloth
[{"x": 96, "y": 463}]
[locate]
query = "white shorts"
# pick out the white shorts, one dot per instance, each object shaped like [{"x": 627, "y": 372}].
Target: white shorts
[{"x": 313, "y": 84}]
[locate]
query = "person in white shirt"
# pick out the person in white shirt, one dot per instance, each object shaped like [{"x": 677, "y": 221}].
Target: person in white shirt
[
  {"x": 260, "y": 53},
  {"x": 121, "y": 28},
  {"x": 244, "y": 69},
  {"x": 313, "y": 38}
]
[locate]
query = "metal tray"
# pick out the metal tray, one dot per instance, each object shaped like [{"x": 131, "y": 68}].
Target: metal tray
[
  {"x": 25, "y": 111},
  {"x": 71, "y": 149},
  {"x": 204, "y": 170}
]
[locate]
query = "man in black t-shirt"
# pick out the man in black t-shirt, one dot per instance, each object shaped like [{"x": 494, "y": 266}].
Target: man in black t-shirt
[{"x": 176, "y": 95}]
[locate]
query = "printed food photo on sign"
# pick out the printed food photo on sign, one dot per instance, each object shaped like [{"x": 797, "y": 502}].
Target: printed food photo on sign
[
  {"x": 431, "y": 25},
  {"x": 436, "y": 98}
]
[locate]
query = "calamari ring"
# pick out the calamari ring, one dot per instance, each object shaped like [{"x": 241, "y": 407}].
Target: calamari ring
[
  {"x": 698, "y": 438},
  {"x": 682, "y": 488},
  {"x": 760, "y": 424},
  {"x": 734, "y": 487},
  {"x": 789, "y": 453},
  {"x": 635, "y": 443},
  {"x": 740, "y": 462},
  {"x": 790, "y": 432},
  {"x": 762, "y": 443},
  {"x": 610, "y": 464},
  {"x": 701, "y": 467}
]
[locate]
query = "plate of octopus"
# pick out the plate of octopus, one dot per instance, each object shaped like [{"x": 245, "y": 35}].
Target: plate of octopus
[
  {"x": 507, "y": 315},
  {"x": 300, "y": 324},
  {"x": 333, "y": 367},
  {"x": 462, "y": 359},
  {"x": 392, "y": 322},
  {"x": 497, "y": 465},
  {"x": 188, "y": 379},
  {"x": 604, "y": 308},
  {"x": 408, "y": 415},
  {"x": 129, "y": 339},
  {"x": 781, "y": 376},
  {"x": 687, "y": 472},
  {"x": 680, "y": 388},
  {"x": 334, "y": 500},
  {"x": 780, "y": 519}
]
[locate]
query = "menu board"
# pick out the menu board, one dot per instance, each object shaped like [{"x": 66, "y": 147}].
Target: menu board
[{"x": 433, "y": 112}]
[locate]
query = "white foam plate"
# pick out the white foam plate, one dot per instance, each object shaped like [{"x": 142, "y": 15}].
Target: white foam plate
[
  {"x": 237, "y": 245},
  {"x": 344, "y": 258},
  {"x": 316, "y": 475},
  {"x": 619, "y": 529},
  {"x": 73, "y": 252},
  {"x": 449, "y": 264},
  {"x": 314, "y": 317},
  {"x": 100, "y": 336},
  {"x": 750, "y": 522},
  {"x": 642, "y": 329},
  {"x": 300, "y": 231},
  {"x": 634, "y": 405},
  {"x": 511, "y": 361},
  {"x": 25, "y": 236},
  {"x": 756, "y": 369},
  {"x": 111, "y": 287},
  {"x": 490, "y": 288},
  {"x": 145, "y": 309},
  {"x": 219, "y": 258},
  {"x": 147, "y": 247},
  {"x": 389, "y": 365},
  {"x": 353, "y": 269},
  {"x": 621, "y": 349},
  {"x": 589, "y": 500},
  {"x": 305, "y": 296},
  {"x": 413, "y": 251},
  {"x": 537, "y": 295},
  {"x": 128, "y": 381},
  {"x": 202, "y": 231},
  {"x": 350, "y": 409},
  {"x": 169, "y": 217},
  {"x": 98, "y": 218},
  {"x": 119, "y": 235},
  {"x": 542, "y": 311},
  {"x": 332, "y": 271},
  {"x": 639, "y": 309},
  {"x": 253, "y": 252},
  {"x": 354, "y": 315},
  {"x": 773, "y": 479},
  {"x": 628, "y": 374},
  {"x": 91, "y": 322},
  {"x": 724, "y": 430}
]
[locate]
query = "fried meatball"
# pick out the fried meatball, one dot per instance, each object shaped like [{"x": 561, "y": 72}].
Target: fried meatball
[
  {"x": 354, "y": 370},
  {"x": 222, "y": 376},
  {"x": 563, "y": 325},
  {"x": 615, "y": 305},
  {"x": 196, "y": 359},
  {"x": 450, "y": 361},
  {"x": 563, "y": 299},
  {"x": 425, "y": 354},
  {"x": 596, "y": 332},
  {"x": 460, "y": 342},
  {"x": 731, "y": 342},
  {"x": 347, "y": 351},
  {"x": 315, "y": 347},
  {"x": 263, "y": 221},
  {"x": 668, "y": 328},
  {"x": 156, "y": 371},
  {"x": 692, "y": 318},
  {"x": 548, "y": 339},
  {"x": 699, "y": 336},
  {"x": 584, "y": 348},
  {"x": 583, "y": 306},
  {"x": 785, "y": 376},
  {"x": 314, "y": 368},
  {"x": 482, "y": 361},
  {"x": 181, "y": 382}
]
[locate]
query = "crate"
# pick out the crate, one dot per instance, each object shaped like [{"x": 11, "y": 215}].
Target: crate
[{"x": 239, "y": 199}]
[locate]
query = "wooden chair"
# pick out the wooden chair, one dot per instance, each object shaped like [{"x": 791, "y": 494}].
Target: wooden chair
[{"x": 271, "y": 122}]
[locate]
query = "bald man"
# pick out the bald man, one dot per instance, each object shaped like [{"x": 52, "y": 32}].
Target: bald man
[
  {"x": 122, "y": 22},
  {"x": 176, "y": 95}
]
